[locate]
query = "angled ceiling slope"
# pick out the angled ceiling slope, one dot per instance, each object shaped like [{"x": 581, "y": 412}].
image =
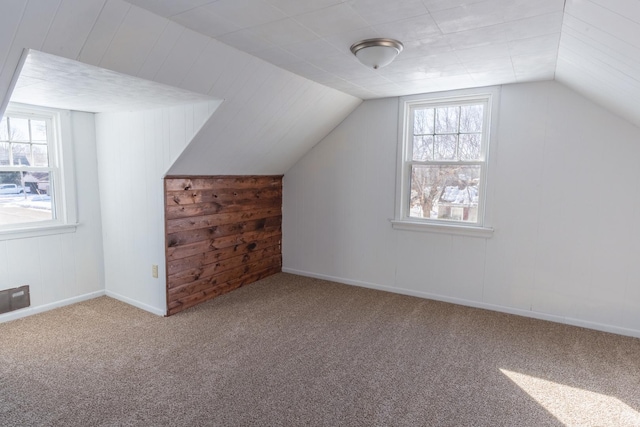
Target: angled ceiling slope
[
  {"x": 269, "y": 115},
  {"x": 599, "y": 53},
  {"x": 592, "y": 46},
  {"x": 449, "y": 44}
]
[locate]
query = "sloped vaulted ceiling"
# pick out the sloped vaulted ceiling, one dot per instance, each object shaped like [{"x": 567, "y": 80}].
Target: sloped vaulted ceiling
[
  {"x": 599, "y": 53},
  {"x": 593, "y": 46},
  {"x": 269, "y": 118},
  {"x": 449, "y": 44}
]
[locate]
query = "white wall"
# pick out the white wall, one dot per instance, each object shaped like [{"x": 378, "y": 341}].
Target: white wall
[
  {"x": 62, "y": 268},
  {"x": 564, "y": 208},
  {"x": 135, "y": 149}
]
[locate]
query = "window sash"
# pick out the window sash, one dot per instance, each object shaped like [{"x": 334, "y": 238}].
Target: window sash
[
  {"x": 49, "y": 143},
  {"x": 446, "y": 162},
  {"x": 26, "y": 168},
  {"x": 408, "y": 163},
  {"x": 418, "y": 105},
  {"x": 481, "y": 191},
  {"x": 53, "y": 169}
]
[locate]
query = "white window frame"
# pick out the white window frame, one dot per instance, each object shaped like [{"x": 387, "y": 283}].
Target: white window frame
[
  {"x": 402, "y": 219},
  {"x": 61, "y": 167}
]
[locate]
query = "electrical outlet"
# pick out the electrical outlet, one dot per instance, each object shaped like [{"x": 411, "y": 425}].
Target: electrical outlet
[{"x": 154, "y": 271}]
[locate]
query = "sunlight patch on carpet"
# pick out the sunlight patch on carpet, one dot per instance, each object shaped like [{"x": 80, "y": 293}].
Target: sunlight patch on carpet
[{"x": 574, "y": 406}]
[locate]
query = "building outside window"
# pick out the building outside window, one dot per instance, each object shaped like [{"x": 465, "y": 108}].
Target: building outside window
[{"x": 31, "y": 176}]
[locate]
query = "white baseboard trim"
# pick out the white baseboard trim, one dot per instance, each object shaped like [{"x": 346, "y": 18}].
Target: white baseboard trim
[
  {"x": 140, "y": 305},
  {"x": 30, "y": 311},
  {"x": 476, "y": 304}
]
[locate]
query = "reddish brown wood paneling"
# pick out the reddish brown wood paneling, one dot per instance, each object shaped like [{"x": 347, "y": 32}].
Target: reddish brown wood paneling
[{"x": 222, "y": 232}]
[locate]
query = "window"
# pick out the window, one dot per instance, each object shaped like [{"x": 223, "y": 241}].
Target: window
[
  {"x": 32, "y": 190},
  {"x": 444, "y": 160}
]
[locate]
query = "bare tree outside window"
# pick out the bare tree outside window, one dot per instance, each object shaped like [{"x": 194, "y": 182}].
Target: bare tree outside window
[{"x": 446, "y": 164}]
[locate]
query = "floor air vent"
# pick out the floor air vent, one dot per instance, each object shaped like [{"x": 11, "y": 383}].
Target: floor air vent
[{"x": 14, "y": 299}]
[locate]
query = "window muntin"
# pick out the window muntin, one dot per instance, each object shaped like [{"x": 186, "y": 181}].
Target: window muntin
[
  {"x": 24, "y": 141},
  {"x": 29, "y": 161},
  {"x": 445, "y": 144}
]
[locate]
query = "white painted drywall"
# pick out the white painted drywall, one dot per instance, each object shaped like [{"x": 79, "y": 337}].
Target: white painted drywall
[
  {"x": 135, "y": 149},
  {"x": 62, "y": 268},
  {"x": 564, "y": 211}
]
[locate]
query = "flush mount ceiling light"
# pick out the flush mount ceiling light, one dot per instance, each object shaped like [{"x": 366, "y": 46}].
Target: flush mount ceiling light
[{"x": 376, "y": 53}]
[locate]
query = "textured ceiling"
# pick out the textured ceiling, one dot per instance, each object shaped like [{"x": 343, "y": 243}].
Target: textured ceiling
[
  {"x": 52, "y": 81},
  {"x": 449, "y": 44},
  {"x": 268, "y": 120},
  {"x": 599, "y": 53}
]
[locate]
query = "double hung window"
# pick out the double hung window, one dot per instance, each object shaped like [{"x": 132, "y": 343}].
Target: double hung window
[
  {"x": 444, "y": 160},
  {"x": 31, "y": 176}
]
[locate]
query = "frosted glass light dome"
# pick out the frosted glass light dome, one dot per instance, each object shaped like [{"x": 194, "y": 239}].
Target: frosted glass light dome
[{"x": 376, "y": 53}]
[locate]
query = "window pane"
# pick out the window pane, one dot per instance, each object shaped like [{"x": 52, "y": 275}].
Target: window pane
[
  {"x": 21, "y": 154},
  {"x": 19, "y": 129},
  {"x": 38, "y": 131},
  {"x": 40, "y": 155},
  {"x": 469, "y": 148},
  {"x": 423, "y": 148},
  {"x": 445, "y": 192},
  {"x": 471, "y": 118},
  {"x": 24, "y": 204},
  {"x": 423, "y": 121},
  {"x": 447, "y": 119},
  {"x": 445, "y": 147},
  {"x": 4, "y": 134},
  {"x": 4, "y": 153}
]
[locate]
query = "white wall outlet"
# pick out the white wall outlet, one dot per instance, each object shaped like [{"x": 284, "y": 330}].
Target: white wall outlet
[{"x": 154, "y": 271}]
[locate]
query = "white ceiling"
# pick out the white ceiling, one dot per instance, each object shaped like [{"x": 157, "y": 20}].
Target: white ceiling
[
  {"x": 52, "y": 81},
  {"x": 592, "y": 46},
  {"x": 599, "y": 53},
  {"x": 449, "y": 44}
]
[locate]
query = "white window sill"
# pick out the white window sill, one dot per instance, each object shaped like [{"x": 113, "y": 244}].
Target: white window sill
[
  {"x": 25, "y": 233},
  {"x": 464, "y": 230}
]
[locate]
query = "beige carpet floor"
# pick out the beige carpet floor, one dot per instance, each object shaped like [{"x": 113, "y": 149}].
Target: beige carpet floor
[{"x": 293, "y": 351}]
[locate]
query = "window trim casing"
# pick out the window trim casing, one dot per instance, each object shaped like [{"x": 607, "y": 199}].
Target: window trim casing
[
  {"x": 66, "y": 220},
  {"x": 402, "y": 220}
]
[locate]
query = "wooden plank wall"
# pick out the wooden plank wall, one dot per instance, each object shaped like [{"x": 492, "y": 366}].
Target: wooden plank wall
[{"x": 222, "y": 232}]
